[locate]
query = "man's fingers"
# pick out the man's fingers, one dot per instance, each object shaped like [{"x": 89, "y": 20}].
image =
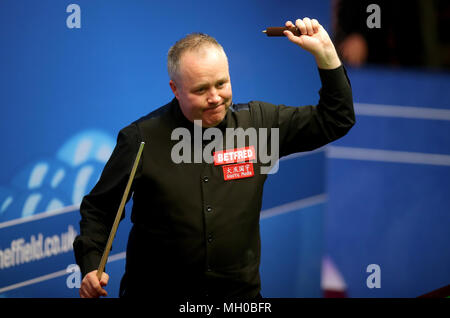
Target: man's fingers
[
  {"x": 315, "y": 25},
  {"x": 289, "y": 24},
  {"x": 94, "y": 287},
  {"x": 94, "y": 291},
  {"x": 309, "y": 28},
  {"x": 104, "y": 280},
  {"x": 87, "y": 294},
  {"x": 84, "y": 293},
  {"x": 306, "y": 26},
  {"x": 103, "y": 293},
  {"x": 91, "y": 287},
  {"x": 301, "y": 26}
]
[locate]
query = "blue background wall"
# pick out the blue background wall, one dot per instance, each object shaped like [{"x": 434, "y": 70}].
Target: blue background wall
[
  {"x": 65, "y": 93},
  {"x": 388, "y": 184}
]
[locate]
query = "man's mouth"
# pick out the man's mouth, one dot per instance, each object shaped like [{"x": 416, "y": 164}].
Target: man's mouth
[{"x": 214, "y": 107}]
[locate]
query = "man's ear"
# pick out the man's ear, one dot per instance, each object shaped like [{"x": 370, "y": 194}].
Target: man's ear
[{"x": 174, "y": 88}]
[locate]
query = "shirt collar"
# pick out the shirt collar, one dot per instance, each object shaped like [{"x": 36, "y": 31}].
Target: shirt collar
[{"x": 182, "y": 121}]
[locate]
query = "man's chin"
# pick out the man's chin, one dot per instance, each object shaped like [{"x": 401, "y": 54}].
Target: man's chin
[
  {"x": 209, "y": 124},
  {"x": 212, "y": 122},
  {"x": 213, "y": 117}
]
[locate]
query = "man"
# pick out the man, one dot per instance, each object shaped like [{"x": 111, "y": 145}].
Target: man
[{"x": 196, "y": 233}]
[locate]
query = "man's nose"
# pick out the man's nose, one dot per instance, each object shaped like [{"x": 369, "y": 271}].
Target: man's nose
[{"x": 213, "y": 96}]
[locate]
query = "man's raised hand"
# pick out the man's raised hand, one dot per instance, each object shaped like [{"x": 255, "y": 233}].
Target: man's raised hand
[{"x": 314, "y": 39}]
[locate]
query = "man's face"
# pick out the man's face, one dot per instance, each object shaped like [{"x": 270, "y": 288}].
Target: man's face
[{"x": 202, "y": 85}]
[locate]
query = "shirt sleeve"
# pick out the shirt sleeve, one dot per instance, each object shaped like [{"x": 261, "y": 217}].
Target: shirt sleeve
[
  {"x": 309, "y": 127},
  {"x": 98, "y": 208}
]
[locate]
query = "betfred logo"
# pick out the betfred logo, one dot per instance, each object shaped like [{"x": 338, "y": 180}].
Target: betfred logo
[{"x": 234, "y": 155}]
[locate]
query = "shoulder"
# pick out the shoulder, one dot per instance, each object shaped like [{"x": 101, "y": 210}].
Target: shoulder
[
  {"x": 253, "y": 107},
  {"x": 258, "y": 113},
  {"x": 156, "y": 114},
  {"x": 239, "y": 107},
  {"x": 133, "y": 130}
]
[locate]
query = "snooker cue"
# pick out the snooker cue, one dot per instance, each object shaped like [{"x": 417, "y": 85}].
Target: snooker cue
[{"x": 112, "y": 234}]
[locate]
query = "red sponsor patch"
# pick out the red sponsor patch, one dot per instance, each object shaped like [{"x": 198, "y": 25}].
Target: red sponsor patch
[
  {"x": 234, "y": 155},
  {"x": 238, "y": 171}
]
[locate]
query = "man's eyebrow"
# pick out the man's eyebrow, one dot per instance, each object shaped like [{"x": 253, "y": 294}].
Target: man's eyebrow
[
  {"x": 206, "y": 85},
  {"x": 223, "y": 79},
  {"x": 200, "y": 86}
]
